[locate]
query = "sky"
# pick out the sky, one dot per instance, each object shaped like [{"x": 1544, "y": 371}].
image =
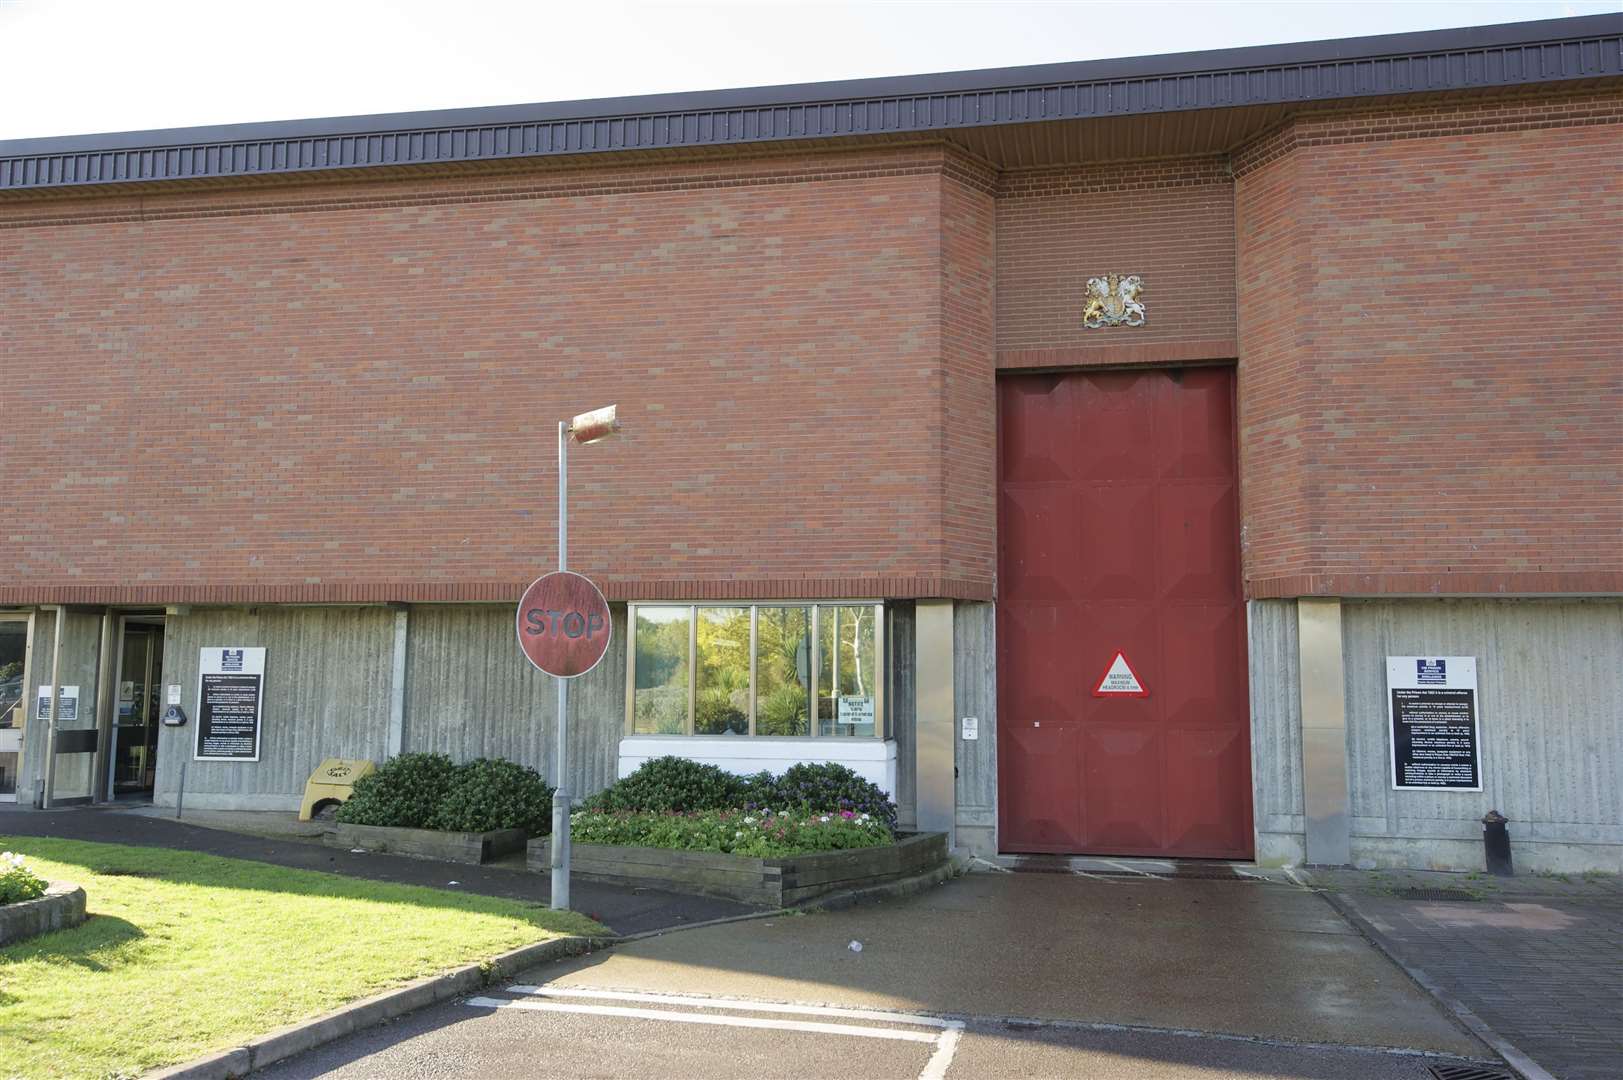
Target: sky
[{"x": 70, "y": 67}]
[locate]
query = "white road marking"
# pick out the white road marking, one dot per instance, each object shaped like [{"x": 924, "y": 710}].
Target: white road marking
[
  {"x": 703, "y": 1018},
  {"x": 946, "y": 1045},
  {"x": 739, "y": 1004}
]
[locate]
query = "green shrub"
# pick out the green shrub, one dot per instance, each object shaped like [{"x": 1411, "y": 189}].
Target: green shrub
[
  {"x": 489, "y": 794},
  {"x": 17, "y": 882},
  {"x": 405, "y": 792},
  {"x": 672, "y": 783},
  {"x": 737, "y": 832},
  {"x": 759, "y": 790},
  {"x": 678, "y": 785},
  {"x": 832, "y": 788}
]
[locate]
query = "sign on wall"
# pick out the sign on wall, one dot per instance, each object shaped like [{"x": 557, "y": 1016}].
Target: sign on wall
[
  {"x": 230, "y": 692},
  {"x": 1431, "y": 703},
  {"x": 855, "y": 710},
  {"x": 67, "y": 709}
]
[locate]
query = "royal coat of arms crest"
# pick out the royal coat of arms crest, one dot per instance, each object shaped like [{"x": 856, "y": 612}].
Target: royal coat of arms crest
[{"x": 1113, "y": 300}]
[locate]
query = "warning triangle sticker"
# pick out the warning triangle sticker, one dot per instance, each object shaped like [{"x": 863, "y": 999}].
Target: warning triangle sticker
[{"x": 1120, "y": 681}]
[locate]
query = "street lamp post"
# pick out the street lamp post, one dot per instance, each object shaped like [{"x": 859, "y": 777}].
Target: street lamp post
[{"x": 586, "y": 428}]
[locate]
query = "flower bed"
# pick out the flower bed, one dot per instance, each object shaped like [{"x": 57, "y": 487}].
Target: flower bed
[
  {"x": 774, "y": 840},
  {"x": 778, "y": 881},
  {"x": 459, "y": 847},
  {"x": 424, "y": 805},
  {"x": 760, "y": 833},
  {"x": 30, "y": 905}
]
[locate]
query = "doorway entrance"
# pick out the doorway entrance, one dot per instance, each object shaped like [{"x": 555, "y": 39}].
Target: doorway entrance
[
  {"x": 133, "y": 763},
  {"x": 15, "y": 634},
  {"x": 1123, "y": 726}
]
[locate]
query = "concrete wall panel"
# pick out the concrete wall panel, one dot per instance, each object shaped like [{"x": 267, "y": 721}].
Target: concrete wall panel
[
  {"x": 1276, "y": 731},
  {"x": 327, "y": 676},
  {"x": 975, "y": 694},
  {"x": 902, "y": 711},
  {"x": 1550, "y": 705},
  {"x": 470, "y": 693}
]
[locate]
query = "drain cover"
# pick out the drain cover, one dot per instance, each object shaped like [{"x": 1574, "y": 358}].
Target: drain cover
[
  {"x": 1468, "y": 1072},
  {"x": 1434, "y": 894}
]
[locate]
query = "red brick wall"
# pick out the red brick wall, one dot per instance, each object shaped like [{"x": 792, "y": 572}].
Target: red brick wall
[
  {"x": 350, "y": 391},
  {"x": 969, "y": 420},
  {"x": 1171, "y": 222},
  {"x": 1431, "y": 353}
]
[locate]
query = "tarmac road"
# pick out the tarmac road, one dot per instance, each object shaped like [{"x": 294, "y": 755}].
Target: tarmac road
[
  {"x": 1151, "y": 978},
  {"x": 521, "y": 1034}
]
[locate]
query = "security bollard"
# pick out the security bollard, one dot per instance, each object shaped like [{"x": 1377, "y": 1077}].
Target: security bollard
[{"x": 1496, "y": 844}]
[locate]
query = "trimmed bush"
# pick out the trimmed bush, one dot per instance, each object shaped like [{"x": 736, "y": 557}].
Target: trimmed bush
[
  {"x": 735, "y": 832},
  {"x": 405, "y": 792},
  {"x": 489, "y": 794},
  {"x": 670, "y": 783},
  {"x": 677, "y": 785},
  {"x": 831, "y": 788}
]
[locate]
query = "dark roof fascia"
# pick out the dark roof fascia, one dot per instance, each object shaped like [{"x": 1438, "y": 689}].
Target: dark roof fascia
[{"x": 1452, "y": 60}]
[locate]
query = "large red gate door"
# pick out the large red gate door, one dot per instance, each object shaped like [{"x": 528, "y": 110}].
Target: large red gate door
[{"x": 1119, "y": 533}]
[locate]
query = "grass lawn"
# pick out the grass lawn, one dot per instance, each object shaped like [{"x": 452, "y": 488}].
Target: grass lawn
[{"x": 186, "y": 953}]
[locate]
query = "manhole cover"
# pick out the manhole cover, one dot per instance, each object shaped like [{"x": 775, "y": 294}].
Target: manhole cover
[
  {"x": 1434, "y": 894},
  {"x": 1468, "y": 1072}
]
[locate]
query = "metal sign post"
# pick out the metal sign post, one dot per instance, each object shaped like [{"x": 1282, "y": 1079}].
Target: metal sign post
[
  {"x": 564, "y": 627},
  {"x": 560, "y": 794}
]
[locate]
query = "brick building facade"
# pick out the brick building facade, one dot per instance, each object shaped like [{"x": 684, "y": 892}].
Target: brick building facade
[{"x": 295, "y": 386}]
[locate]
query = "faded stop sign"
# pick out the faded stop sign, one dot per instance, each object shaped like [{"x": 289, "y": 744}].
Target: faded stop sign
[{"x": 563, "y": 624}]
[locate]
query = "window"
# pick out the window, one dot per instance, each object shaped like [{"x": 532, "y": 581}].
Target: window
[{"x": 757, "y": 669}]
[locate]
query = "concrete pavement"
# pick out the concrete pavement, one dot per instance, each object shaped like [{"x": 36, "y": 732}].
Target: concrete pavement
[{"x": 1049, "y": 975}]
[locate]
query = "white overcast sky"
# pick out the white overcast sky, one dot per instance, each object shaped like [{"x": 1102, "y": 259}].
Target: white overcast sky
[{"x": 72, "y": 67}]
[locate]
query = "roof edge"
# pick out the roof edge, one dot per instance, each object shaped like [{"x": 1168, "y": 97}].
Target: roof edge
[
  {"x": 1479, "y": 57},
  {"x": 974, "y": 79}
]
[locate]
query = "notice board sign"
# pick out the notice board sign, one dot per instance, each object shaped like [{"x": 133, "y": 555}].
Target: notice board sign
[
  {"x": 230, "y": 692},
  {"x": 1436, "y": 740}
]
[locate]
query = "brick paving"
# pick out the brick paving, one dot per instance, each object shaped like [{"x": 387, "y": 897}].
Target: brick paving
[{"x": 1539, "y": 961}]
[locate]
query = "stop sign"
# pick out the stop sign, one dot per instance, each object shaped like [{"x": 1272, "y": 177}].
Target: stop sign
[{"x": 563, "y": 624}]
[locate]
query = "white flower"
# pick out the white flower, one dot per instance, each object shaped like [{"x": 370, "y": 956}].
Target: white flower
[
  {"x": 824, "y": 818},
  {"x": 749, "y": 821},
  {"x": 740, "y": 832}
]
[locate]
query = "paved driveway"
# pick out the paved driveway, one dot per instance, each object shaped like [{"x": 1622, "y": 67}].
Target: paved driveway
[
  {"x": 989, "y": 975},
  {"x": 1538, "y": 960}
]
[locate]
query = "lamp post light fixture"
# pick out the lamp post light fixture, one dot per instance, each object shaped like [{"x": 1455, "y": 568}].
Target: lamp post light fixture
[{"x": 588, "y": 427}]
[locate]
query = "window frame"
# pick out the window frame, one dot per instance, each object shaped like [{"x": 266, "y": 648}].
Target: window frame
[{"x": 881, "y": 629}]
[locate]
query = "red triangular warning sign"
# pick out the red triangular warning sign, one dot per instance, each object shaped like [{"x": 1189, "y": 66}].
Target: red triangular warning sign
[{"x": 1119, "y": 680}]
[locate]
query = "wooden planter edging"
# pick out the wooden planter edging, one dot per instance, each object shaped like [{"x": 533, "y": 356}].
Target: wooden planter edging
[
  {"x": 769, "y": 882},
  {"x": 462, "y": 847},
  {"x": 62, "y": 906}
]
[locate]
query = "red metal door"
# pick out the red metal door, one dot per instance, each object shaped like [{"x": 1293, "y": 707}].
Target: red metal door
[{"x": 1118, "y": 531}]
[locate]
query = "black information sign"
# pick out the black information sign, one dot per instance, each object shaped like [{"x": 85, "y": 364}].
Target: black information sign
[
  {"x": 1434, "y": 738},
  {"x": 229, "y": 694}
]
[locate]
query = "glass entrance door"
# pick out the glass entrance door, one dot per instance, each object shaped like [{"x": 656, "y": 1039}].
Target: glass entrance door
[
  {"x": 135, "y": 724},
  {"x": 13, "y": 700}
]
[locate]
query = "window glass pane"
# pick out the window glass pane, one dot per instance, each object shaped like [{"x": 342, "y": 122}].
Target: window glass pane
[
  {"x": 722, "y": 705},
  {"x": 782, "y": 670},
  {"x": 846, "y": 698},
  {"x": 661, "y": 692}
]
